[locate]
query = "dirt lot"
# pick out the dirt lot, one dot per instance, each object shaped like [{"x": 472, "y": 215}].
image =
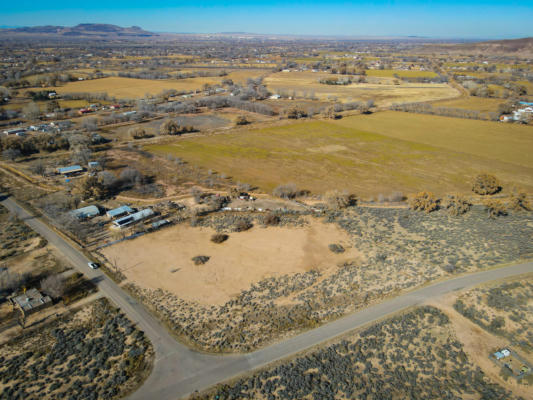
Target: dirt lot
[{"x": 235, "y": 265}]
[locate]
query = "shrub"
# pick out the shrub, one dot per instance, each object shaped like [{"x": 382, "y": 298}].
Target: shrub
[
  {"x": 199, "y": 260},
  {"x": 138, "y": 133},
  {"x": 288, "y": 191},
  {"x": 457, "y": 204},
  {"x": 336, "y": 248},
  {"x": 296, "y": 113},
  {"x": 338, "y": 200},
  {"x": 241, "y": 120},
  {"x": 495, "y": 208},
  {"x": 242, "y": 225},
  {"x": 219, "y": 237},
  {"x": 272, "y": 219},
  {"x": 486, "y": 184},
  {"x": 425, "y": 201},
  {"x": 519, "y": 202}
]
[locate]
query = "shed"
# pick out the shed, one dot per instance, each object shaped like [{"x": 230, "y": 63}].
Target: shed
[
  {"x": 86, "y": 212},
  {"x": 498, "y": 355},
  {"x": 133, "y": 218},
  {"x": 72, "y": 169},
  {"x": 505, "y": 352},
  {"x": 93, "y": 164},
  {"x": 160, "y": 223},
  {"x": 120, "y": 211},
  {"x": 31, "y": 301}
]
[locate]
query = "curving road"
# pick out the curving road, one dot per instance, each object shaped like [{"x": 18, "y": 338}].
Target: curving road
[{"x": 179, "y": 371}]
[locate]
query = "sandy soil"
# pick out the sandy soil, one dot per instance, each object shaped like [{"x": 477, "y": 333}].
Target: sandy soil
[{"x": 163, "y": 259}]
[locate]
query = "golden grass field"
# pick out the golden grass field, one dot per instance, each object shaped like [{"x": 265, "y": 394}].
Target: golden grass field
[
  {"x": 492, "y": 140},
  {"x": 385, "y": 93},
  {"x": 134, "y": 88},
  {"x": 481, "y": 104},
  {"x": 368, "y": 155}
]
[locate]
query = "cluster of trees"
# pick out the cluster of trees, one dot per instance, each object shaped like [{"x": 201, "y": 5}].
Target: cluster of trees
[
  {"x": 337, "y": 200},
  {"x": 420, "y": 79},
  {"x": 216, "y": 102},
  {"x": 15, "y": 146},
  {"x": 331, "y": 81},
  {"x": 172, "y": 127},
  {"x": 289, "y": 191}
]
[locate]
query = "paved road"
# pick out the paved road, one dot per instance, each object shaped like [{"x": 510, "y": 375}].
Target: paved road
[{"x": 179, "y": 371}]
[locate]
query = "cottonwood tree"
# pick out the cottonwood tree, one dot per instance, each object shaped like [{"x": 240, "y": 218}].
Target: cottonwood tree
[
  {"x": 31, "y": 111},
  {"x": 338, "y": 200},
  {"x": 131, "y": 177},
  {"x": 54, "y": 286},
  {"x": 169, "y": 127}
]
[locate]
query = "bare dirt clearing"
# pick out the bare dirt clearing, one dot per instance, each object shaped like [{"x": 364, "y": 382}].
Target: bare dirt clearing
[{"x": 245, "y": 258}]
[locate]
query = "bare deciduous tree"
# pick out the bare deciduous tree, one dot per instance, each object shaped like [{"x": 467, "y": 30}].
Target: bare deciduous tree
[
  {"x": 53, "y": 286},
  {"x": 31, "y": 111}
]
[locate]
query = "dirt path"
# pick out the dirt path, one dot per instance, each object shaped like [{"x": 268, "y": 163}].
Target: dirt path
[{"x": 479, "y": 344}]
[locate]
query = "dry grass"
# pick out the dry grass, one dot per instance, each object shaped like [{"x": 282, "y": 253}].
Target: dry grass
[
  {"x": 384, "y": 93},
  {"x": 492, "y": 140},
  {"x": 367, "y": 155},
  {"x": 481, "y": 104},
  {"x": 134, "y": 88}
]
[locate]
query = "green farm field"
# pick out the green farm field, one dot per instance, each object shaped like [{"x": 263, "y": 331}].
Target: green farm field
[{"x": 368, "y": 155}]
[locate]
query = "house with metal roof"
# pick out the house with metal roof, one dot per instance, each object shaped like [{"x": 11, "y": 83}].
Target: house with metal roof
[
  {"x": 86, "y": 212},
  {"x": 119, "y": 212},
  {"x": 133, "y": 218},
  {"x": 70, "y": 170},
  {"x": 31, "y": 301}
]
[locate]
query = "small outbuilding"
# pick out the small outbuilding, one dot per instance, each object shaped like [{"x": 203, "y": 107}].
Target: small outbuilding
[
  {"x": 119, "y": 212},
  {"x": 133, "y": 218},
  {"x": 70, "y": 170},
  {"x": 31, "y": 301},
  {"x": 86, "y": 212}
]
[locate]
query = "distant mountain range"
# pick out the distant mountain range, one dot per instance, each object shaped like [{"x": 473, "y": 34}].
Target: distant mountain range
[
  {"x": 518, "y": 47},
  {"x": 82, "y": 30}
]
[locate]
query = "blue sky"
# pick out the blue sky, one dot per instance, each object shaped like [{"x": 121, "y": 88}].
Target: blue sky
[{"x": 438, "y": 18}]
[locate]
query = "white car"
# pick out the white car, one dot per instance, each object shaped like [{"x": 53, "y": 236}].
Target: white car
[{"x": 93, "y": 265}]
